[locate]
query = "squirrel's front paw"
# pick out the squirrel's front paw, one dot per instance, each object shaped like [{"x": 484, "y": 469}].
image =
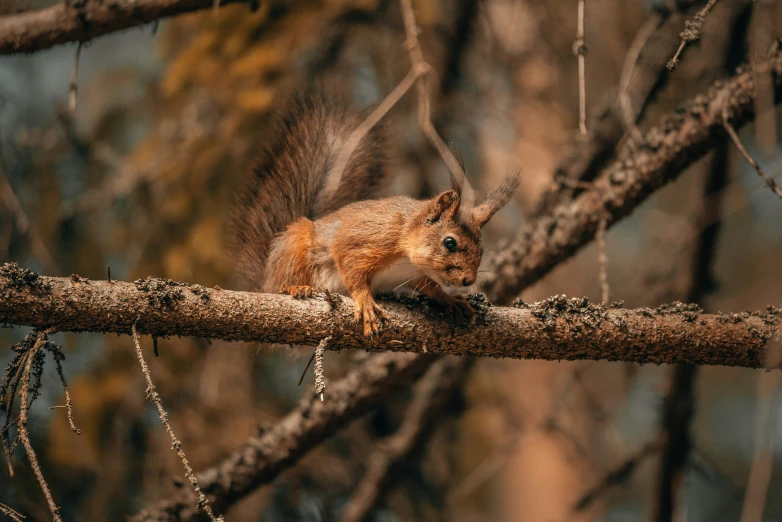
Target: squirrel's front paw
[
  {"x": 458, "y": 307},
  {"x": 297, "y": 291},
  {"x": 370, "y": 314}
]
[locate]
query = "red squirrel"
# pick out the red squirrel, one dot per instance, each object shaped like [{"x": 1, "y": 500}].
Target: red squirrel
[{"x": 294, "y": 238}]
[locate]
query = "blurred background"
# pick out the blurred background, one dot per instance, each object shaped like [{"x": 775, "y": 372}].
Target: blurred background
[{"x": 141, "y": 176}]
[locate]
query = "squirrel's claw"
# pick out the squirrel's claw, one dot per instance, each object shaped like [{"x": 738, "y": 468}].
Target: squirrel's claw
[
  {"x": 297, "y": 291},
  {"x": 370, "y": 315},
  {"x": 459, "y": 308}
]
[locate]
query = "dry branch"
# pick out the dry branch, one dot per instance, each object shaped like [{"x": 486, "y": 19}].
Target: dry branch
[
  {"x": 641, "y": 168},
  {"x": 431, "y": 395},
  {"x": 555, "y": 329},
  {"x": 263, "y": 457},
  {"x": 82, "y": 21}
]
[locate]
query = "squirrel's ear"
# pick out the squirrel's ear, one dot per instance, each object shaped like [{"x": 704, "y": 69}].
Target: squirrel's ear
[
  {"x": 496, "y": 199},
  {"x": 445, "y": 205}
]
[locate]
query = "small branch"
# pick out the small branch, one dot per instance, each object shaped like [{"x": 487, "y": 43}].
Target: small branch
[
  {"x": 617, "y": 475},
  {"x": 373, "y": 119},
  {"x": 262, "y": 458},
  {"x": 425, "y": 104},
  {"x": 431, "y": 394},
  {"x": 666, "y": 151},
  {"x": 691, "y": 33},
  {"x": 736, "y": 141},
  {"x": 10, "y": 513},
  {"x": 21, "y": 425},
  {"x": 625, "y": 102},
  {"x": 203, "y": 502},
  {"x": 33, "y": 31},
  {"x": 554, "y": 329},
  {"x": 580, "y": 50},
  {"x": 320, "y": 376}
]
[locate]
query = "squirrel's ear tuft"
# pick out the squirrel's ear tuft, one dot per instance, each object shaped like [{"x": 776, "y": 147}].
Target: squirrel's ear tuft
[
  {"x": 446, "y": 205},
  {"x": 496, "y": 199}
]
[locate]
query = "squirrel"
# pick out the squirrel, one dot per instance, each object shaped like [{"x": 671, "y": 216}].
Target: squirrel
[{"x": 295, "y": 237}]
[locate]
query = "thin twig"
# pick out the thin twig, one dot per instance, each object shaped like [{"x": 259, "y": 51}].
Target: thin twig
[
  {"x": 691, "y": 33},
  {"x": 580, "y": 50},
  {"x": 301, "y": 379},
  {"x": 10, "y": 513},
  {"x": 21, "y": 425},
  {"x": 625, "y": 103},
  {"x": 766, "y": 408},
  {"x": 736, "y": 141},
  {"x": 373, "y": 119},
  {"x": 74, "y": 86},
  {"x": 425, "y": 105},
  {"x": 68, "y": 403},
  {"x": 203, "y": 502},
  {"x": 602, "y": 258},
  {"x": 320, "y": 377}
]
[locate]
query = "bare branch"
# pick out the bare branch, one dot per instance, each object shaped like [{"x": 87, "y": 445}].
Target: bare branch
[
  {"x": 555, "y": 329},
  {"x": 65, "y": 22},
  {"x": 602, "y": 258},
  {"x": 263, "y": 457},
  {"x": 691, "y": 33},
  {"x": 775, "y": 188},
  {"x": 21, "y": 425},
  {"x": 11, "y": 513},
  {"x": 431, "y": 394},
  {"x": 202, "y": 501},
  {"x": 580, "y": 50},
  {"x": 641, "y": 168}
]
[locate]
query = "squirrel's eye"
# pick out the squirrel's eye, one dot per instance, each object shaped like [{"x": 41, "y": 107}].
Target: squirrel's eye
[{"x": 450, "y": 244}]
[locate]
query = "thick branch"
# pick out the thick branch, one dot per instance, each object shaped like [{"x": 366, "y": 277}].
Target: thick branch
[
  {"x": 263, "y": 457},
  {"x": 555, "y": 329},
  {"x": 678, "y": 141},
  {"x": 82, "y": 21}
]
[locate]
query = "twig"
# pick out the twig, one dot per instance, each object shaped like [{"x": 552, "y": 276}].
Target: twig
[
  {"x": 203, "y": 502},
  {"x": 625, "y": 103},
  {"x": 691, "y": 33},
  {"x": 580, "y": 50},
  {"x": 602, "y": 258},
  {"x": 430, "y": 395},
  {"x": 425, "y": 105},
  {"x": 617, "y": 475},
  {"x": 736, "y": 141},
  {"x": 766, "y": 408},
  {"x": 23, "y": 224},
  {"x": 58, "y": 357},
  {"x": 10, "y": 513},
  {"x": 301, "y": 379},
  {"x": 40, "y": 29},
  {"x": 22, "y": 427},
  {"x": 74, "y": 86},
  {"x": 320, "y": 377},
  {"x": 373, "y": 119}
]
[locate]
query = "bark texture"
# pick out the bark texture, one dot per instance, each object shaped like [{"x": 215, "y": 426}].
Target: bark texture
[
  {"x": 83, "y": 20},
  {"x": 641, "y": 168},
  {"x": 555, "y": 329}
]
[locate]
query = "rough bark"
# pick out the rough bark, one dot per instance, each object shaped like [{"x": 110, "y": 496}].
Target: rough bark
[
  {"x": 641, "y": 168},
  {"x": 555, "y": 329},
  {"x": 264, "y": 456},
  {"x": 83, "y": 20}
]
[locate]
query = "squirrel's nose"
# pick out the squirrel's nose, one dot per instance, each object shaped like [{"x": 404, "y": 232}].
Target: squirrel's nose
[{"x": 467, "y": 281}]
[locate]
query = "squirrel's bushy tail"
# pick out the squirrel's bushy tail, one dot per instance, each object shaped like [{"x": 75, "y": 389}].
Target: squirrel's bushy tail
[{"x": 288, "y": 177}]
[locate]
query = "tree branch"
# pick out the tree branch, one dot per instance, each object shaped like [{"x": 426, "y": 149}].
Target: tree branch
[
  {"x": 641, "y": 168},
  {"x": 555, "y": 329},
  {"x": 84, "y": 20},
  {"x": 263, "y": 457}
]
